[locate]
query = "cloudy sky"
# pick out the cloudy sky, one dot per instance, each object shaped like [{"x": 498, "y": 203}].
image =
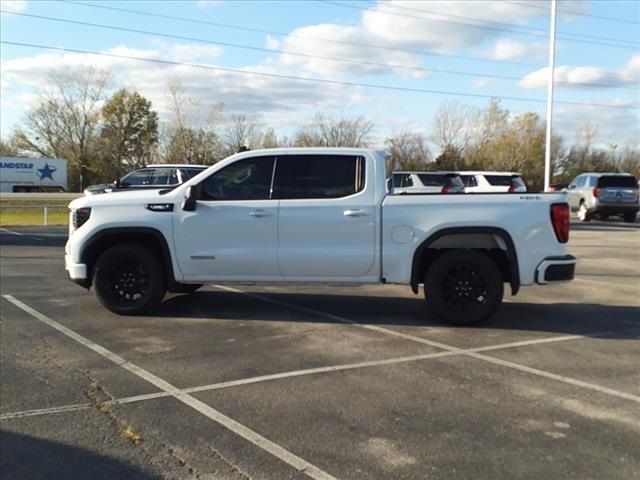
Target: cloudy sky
[{"x": 392, "y": 61}]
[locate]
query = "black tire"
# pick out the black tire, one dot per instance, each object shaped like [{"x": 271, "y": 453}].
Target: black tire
[
  {"x": 463, "y": 287},
  {"x": 630, "y": 217},
  {"x": 584, "y": 215},
  {"x": 128, "y": 279},
  {"x": 185, "y": 287}
]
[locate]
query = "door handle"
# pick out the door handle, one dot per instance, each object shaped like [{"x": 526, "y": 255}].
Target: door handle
[
  {"x": 260, "y": 213},
  {"x": 355, "y": 213}
]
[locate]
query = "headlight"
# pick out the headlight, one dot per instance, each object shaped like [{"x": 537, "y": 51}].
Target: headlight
[{"x": 80, "y": 216}]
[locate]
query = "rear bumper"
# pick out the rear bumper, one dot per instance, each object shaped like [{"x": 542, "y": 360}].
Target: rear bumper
[
  {"x": 616, "y": 209},
  {"x": 556, "y": 270}
]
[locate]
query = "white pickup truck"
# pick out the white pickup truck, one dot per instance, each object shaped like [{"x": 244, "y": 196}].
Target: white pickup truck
[{"x": 316, "y": 215}]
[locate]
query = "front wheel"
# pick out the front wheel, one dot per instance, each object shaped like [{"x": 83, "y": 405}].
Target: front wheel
[
  {"x": 463, "y": 287},
  {"x": 128, "y": 279}
]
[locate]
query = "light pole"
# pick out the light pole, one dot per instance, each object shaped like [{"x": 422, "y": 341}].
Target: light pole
[{"x": 552, "y": 64}]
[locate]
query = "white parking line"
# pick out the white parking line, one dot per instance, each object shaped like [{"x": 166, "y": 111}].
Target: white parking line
[
  {"x": 449, "y": 348},
  {"x": 11, "y": 232},
  {"x": 310, "y": 371},
  {"x": 45, "y": 411},
  {"x": 262, "y": 442}
]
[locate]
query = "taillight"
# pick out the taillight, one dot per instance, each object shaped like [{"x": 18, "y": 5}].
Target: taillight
[
  {"x": 560, "y": 221},
  {"x": 446, "y": 189},
  {"x": 596, "y": 191},
  {"x": 511, "y": 189}
]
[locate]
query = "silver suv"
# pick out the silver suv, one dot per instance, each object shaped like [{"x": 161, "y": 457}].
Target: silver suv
[{"x": 604, "y": 195}]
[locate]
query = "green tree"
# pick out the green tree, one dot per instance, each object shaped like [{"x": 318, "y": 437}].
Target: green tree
[{"x": 129, "y": 132}]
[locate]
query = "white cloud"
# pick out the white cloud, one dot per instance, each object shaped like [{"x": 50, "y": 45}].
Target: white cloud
[
  {"x": 403, "y": 25},
  {"x": 616, "y": 125},
  {"x": 202, "y": 4},
  {"x": 481, "y": 83},
  {"x": 13, "y": 5},
  {"x": 240, "y": 93},
  {"x": 439, "y": 25},
  {"x": 508, "y": 49},
  {"x": 586, "y": 77}
]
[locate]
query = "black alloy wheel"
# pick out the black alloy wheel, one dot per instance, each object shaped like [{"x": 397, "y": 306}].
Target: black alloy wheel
[
  {"x": 128, "y": 279},
  {"x": 463, "y": 287}
]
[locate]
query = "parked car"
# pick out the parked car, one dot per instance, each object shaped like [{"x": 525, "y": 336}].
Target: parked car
[
  {"x": 425, "y": 182},
  {"x": 151, "y": 176},
  {"x": 317, "y": 216},
  {"x": 604, "y": 195},
  {"x": 493, "y": 182}
]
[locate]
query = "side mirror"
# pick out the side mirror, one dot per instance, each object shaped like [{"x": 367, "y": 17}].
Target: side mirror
[{"x": 191, "y": 195}]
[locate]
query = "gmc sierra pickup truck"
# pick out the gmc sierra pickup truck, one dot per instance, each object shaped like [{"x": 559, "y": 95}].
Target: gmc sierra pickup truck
[{"x": 316, "y": 215}]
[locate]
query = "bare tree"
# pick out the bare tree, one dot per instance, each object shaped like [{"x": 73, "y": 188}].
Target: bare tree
[
  {"x": 453, "y": 125},
  {"x": 407, "y": 151},
  {"x": 192, "y": 135},
  {"x": 8, "y": 149},
  {"x": 325, "y": 131},
  {"x": 242, "y": 131},
  {"x": 64, "y": 122}
]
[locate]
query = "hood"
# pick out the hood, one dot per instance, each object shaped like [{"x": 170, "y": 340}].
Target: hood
[{"x": 133, "y": 197}]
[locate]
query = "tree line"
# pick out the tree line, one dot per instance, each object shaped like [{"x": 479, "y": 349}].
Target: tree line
[{"x": 104, "y": 136}]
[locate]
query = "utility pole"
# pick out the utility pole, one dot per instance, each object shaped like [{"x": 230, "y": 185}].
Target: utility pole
[{"x": 552, "y": 64}]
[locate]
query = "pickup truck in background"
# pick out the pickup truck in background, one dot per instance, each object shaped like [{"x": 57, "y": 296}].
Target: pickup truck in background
[
  {"x": 316, "y": 215},
  {"x": 25, "y": 174}
]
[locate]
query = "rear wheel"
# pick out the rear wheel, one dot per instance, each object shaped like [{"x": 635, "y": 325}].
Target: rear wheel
[
  {"x": 630, "y": 217},
  {"x": 128, "y": 279},
  {"x": 463, "y": 287},
  {"x": 583, "y": 213}
]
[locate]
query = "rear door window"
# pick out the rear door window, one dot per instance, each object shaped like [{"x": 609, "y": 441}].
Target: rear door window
[
  {"x": 401, "y": 180},
  {"x": 617, "y": 181},
  {"x": 318, "y": 176},
  {"x": 469, "y": 180},
  {"x": 432, "y": 179},
  {"x": 499, "y": 180}
]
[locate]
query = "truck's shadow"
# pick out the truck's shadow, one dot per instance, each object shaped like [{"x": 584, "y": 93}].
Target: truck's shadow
[
  {"x": 564, "y": 318},
  {"x": 27, "y": 457}
]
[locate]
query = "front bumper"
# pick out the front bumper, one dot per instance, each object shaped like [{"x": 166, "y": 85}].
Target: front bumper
[
  {"x": 77, "y": 272},
  {"x": 556, "y": 270}
]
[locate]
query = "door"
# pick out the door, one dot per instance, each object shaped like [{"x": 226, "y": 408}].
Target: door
[
  {"x": 232, "y": 233},
  {"x": 326, "y": 217},
  {"x": 574, "y": 193}
]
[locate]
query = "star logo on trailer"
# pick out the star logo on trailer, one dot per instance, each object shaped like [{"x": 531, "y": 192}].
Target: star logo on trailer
[{"x": 46, "y": 172}]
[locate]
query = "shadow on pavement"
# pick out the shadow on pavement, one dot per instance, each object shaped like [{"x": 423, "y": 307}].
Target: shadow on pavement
[
  {"x": 25, "y": 457},
  {"x": 564, "y": 318},
  {"x": 601, "y": 226}
]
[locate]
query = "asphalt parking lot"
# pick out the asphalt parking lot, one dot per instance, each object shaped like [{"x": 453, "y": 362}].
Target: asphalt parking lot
[{"x": 325, "y": 382}]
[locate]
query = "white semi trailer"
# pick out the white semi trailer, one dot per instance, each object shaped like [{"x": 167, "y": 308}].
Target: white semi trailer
[{"x": 24, "y": 174}]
